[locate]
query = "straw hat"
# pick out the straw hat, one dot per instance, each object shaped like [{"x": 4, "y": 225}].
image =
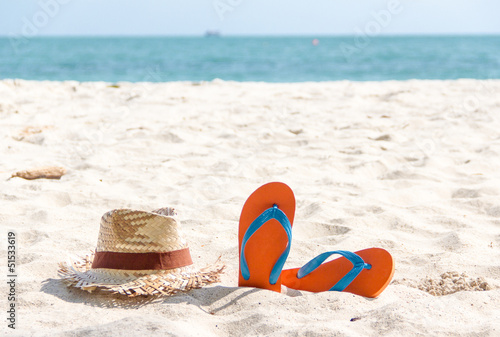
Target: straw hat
[{"x": 139, "y": 253}]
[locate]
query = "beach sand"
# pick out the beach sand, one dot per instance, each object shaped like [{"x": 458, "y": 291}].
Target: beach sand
[{"x": 412, "y": 167}]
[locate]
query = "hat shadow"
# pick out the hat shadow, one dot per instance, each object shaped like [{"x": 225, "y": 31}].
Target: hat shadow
[{"x": 204, "y": 298}]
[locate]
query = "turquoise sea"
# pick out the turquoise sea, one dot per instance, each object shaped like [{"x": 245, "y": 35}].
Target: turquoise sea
[{"x": 269, "y": 59}]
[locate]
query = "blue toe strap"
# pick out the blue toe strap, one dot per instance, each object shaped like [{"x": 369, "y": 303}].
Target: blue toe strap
[
  {"x": 270, "y": 213},
  {"x": 356, "y": 260}
]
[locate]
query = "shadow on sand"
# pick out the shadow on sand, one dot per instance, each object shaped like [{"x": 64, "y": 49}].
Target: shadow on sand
[{"x": 203, "y": 298}]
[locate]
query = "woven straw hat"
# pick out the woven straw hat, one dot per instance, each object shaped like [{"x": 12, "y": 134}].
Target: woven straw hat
[{"x": 139, "y": 253}]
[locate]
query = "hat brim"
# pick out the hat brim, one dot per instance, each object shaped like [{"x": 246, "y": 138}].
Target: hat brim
[{"x": 80, "y": 274}]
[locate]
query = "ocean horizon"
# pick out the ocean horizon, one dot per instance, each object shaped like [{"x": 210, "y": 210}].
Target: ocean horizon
[{"x": 250, "y": 58}]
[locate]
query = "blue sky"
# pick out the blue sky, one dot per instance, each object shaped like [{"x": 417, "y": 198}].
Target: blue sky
[{"x": 248, "y": 17}]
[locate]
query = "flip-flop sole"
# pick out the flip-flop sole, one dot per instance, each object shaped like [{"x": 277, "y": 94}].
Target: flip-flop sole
[
  {"x": 369, "y": 283},
  {"x": 266, "y": 245}
]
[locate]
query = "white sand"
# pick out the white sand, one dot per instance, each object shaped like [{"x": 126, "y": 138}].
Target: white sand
[{"x": 412, "y": 167}]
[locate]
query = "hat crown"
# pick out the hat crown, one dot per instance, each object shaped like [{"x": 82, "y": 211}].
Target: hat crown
[{"x": 129, "y": 231}]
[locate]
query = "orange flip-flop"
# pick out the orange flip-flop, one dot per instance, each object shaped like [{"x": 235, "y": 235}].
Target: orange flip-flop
[
  {"x": 366, "y": 273},
  {"x": 265, "y": 235}
]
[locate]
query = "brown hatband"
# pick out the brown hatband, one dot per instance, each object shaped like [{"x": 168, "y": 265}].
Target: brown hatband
[{"x": 142, "y": 261}]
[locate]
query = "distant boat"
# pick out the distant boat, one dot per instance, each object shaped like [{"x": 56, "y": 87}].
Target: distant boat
[{"x": 212, "y": 33}]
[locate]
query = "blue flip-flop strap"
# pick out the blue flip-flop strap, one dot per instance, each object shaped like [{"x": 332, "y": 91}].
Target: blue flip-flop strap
[
  {"x": 356, "y": 260},
  {"x": 270, "y": 213}
]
